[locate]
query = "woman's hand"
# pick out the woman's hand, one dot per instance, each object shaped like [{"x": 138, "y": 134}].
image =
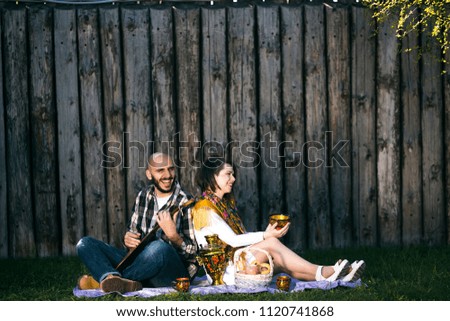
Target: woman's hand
[
  {"x": 271, "y": 231},
  {"x": 131, "y": 239}
]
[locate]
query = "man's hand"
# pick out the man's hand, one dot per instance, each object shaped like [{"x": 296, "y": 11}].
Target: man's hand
[
  {"x": 166, "y": 223},
  {"x": 168, "y": 226},
  {"x": 271, "y": 231},
  {"x": 132, "y": 240}
]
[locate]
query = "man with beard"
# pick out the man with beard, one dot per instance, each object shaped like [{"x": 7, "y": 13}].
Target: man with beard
[{"x": 171, "y": 254}]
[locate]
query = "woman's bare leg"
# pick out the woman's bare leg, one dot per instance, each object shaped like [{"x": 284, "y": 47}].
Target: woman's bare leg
[{"x": 285, "y": 260}]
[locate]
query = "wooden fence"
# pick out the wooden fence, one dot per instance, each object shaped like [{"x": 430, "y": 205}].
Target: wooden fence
[{"x": 323, "y": 116}]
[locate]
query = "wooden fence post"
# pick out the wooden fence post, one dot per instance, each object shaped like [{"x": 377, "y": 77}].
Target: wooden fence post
[
  {"x": 243, "y": 112},
  {"x": 446, "y": 89},
  {"x": 3, "y": 176},
  {"x": 316, "y": 126},
  {"x": 138, "y": 134},
  {"x": 214, "y": 79},
  {"x": 339, "y": 120},
  {"x": 69, "y": 140},
  {"x": 292, "y": 49},
  {"x": 364, "y": 180},
  {"x": 388, "y": 136},
  {"x": 92, "y": 133},
  {"x": 270, "y": 118},
  {"x": 412, "y": 227},
  {"x": 187, "y": 48},
  {"x": 163, "y": 79},
  {"x": 20, "y": 206},
  {"x": 44, "y": 134},
  {"x": 114, "y": 106},
  {"x": 432, "y": 144}
]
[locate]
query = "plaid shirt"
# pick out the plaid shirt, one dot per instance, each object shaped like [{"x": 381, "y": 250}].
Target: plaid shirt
[{"x": 143, "y": 219}]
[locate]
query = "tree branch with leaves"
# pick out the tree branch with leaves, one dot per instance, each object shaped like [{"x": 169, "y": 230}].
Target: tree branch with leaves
[{"x": 425, "y": 16}]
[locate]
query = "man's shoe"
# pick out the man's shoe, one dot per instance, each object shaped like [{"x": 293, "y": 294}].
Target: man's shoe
[
  {"x": 87, "y": 282},
  {"x": 114, "y": 283}
]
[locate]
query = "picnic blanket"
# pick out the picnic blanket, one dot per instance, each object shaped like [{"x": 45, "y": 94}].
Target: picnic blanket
[{"x": 201, "y": 286}]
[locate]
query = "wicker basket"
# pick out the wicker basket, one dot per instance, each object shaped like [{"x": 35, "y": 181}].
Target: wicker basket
[{"x": 251, "y": 281}]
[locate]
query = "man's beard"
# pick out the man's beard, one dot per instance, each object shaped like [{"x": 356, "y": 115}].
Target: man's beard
[{"x": 159, "y": 188}]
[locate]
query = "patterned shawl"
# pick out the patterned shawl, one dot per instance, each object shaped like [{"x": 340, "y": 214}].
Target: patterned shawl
[{"x": 225, "y": 208}]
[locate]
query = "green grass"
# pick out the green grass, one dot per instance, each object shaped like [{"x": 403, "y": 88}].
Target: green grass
[{"x": 394, "y": 274}]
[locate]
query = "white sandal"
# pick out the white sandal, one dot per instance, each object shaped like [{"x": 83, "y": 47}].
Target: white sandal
[
  {"x": 319, "y": 276},
  {"x": 357, "y": 269},
  {"x": 340, "y": 270}
]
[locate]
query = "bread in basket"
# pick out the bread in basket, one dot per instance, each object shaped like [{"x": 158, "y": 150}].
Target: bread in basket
[{"x": 248, "y": 272}]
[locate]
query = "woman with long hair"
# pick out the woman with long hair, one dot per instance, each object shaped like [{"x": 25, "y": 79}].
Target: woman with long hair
[{"x": 216, "y": 213}]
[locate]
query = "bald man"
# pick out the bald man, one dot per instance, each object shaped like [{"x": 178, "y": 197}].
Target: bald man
[{"x": 169, "y": 256}]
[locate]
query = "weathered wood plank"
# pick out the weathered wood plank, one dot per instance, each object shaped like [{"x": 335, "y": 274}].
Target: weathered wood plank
[
  {"x": 69, "y": 140},
  {"x": 20, "y": 206},
  {"x": 243, "y": 113},
  {"x": 91, "y": 123},
  {"x": 187, "y": 47},
  {"x": 319, "y": 224},
  {"x": 411, "y": 143},
  {"x": 293, "y": 124},
  {"x": 388, "y": 135},
  {"x": 364, "y": 180},
  {"x": 339, "y": 119},
  {"x": 43, "y": 129},
  {"x": 3, "y": 176},
  {"x": 434, "y": 231},
  {"x": 138, "y": 110},
  {"x": 446, "y": 89},
  {"x": 214, "y": 78},
  {"x": 269, "y": 116},
  {"x": 163, "y": 79},
  {"x": 114, "y": 106}
]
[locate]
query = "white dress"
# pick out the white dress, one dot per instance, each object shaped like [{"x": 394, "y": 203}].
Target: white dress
[{"x": 226, "y": 234}]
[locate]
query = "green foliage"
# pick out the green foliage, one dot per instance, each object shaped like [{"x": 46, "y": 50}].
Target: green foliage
[
  {"x": 416, "y": 273},
  {"x": 428, "y": 16}
]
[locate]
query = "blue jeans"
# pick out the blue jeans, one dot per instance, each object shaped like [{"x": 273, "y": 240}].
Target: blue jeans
[{"x": 157, "y": 265}]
